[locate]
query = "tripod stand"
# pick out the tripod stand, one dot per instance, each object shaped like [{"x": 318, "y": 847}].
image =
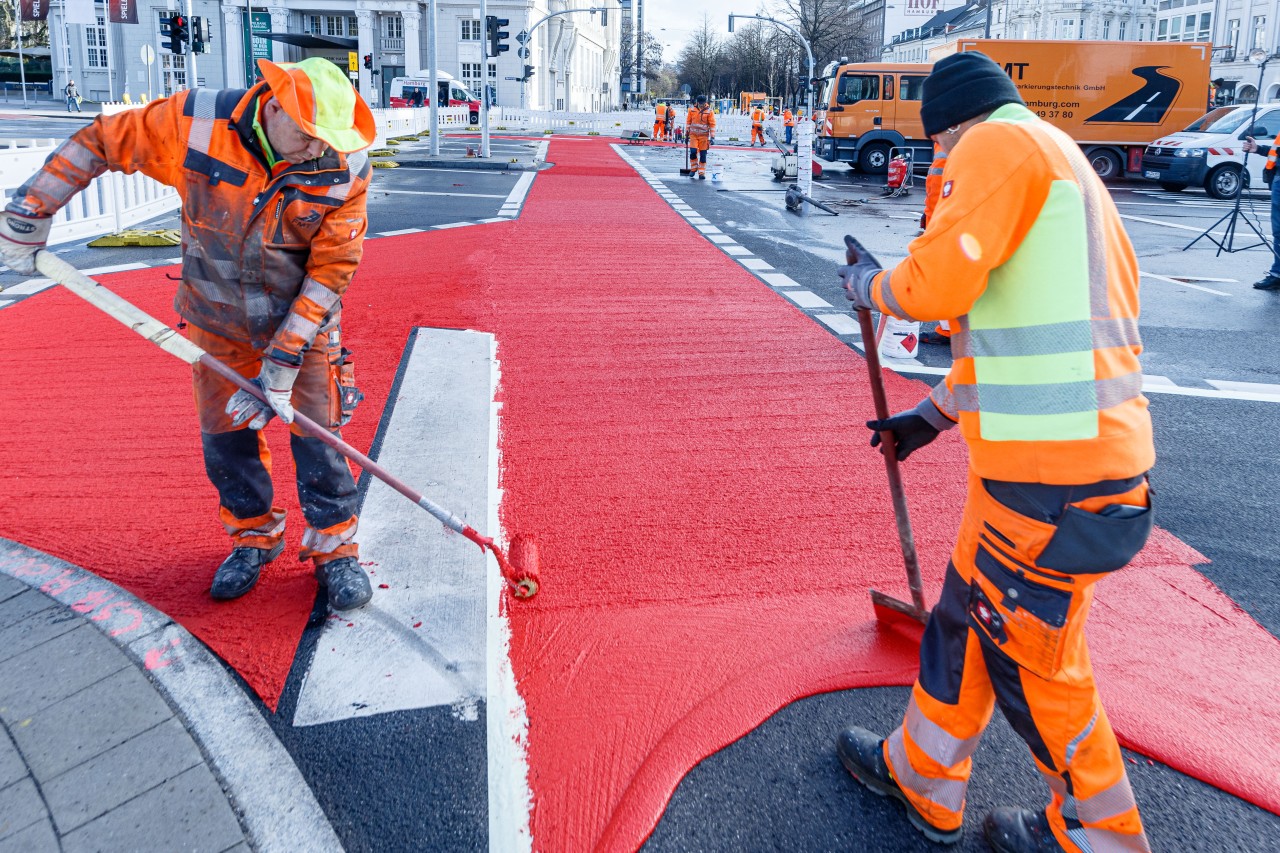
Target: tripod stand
[{"x": 1227, "y": 243}]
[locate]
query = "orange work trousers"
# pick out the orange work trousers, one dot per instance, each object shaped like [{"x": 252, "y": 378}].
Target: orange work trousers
[
  {"x": 1009, "y": 629},
  {"x": 238, "y": 460},
  {"x": 659, "y": 129},
  {"x": 757, "y": 132}
]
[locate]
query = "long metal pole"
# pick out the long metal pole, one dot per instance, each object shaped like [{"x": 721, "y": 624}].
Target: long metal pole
[
  {"x": 248, "y": 44},
  {"x": 484, "y": 79},
  {"x": 433, "y": 114},
  {"x": 22, "y": 65},
  {"x": 193, "y": 79}
]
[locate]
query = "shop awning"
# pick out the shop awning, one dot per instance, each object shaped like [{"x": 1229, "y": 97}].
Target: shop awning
[{"x": 308, "y": 40}]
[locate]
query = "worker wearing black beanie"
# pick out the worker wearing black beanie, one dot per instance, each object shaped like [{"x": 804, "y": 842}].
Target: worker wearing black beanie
[{"x": 962, "y": 86}]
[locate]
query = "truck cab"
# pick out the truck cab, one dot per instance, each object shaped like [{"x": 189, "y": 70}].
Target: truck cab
[
  {"x": 452, "y": 93},
  {"x": 869, "y": 109},
  {"x": 1208, "y": 153}
]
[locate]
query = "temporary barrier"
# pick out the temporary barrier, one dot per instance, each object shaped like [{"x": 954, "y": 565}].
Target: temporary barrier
[{"x": 112, "y": 202}]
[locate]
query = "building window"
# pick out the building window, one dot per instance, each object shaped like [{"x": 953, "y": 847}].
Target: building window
[
  {"x": 493, "y": 73},
  {"x": 1259, "y": 30},
  {"x": 471, "y": 75},
  {"x": 1206, "y": 19},
  {"x": 1106, "y": 29},
  {"x": 311, "y": 24},
  {"x": 1233, "y": 34},
  {"x": 95, "y": 41},
  {"x": 470, "y": 30},
  {"x": 1120, "y": 35},
  {"x": 353, "y": 26},
  {"x": 393, "y": 27},
  {"x": 334, "y": 25},
  {"x": 1162, "y": 30}
]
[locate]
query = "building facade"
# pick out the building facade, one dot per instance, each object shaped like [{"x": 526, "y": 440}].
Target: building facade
[{"x": 574, "y": 56}]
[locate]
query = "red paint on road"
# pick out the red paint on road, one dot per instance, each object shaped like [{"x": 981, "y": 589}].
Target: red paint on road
[{"x": 685, "y": 446}]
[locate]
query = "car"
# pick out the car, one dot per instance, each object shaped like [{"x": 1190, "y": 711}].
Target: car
[{"x": 1209, "y": 154}]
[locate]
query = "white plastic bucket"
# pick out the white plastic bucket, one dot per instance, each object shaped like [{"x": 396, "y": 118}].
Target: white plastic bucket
[
  {"x": 901, "y": 339},
  {"x": 716, "y": 168}
]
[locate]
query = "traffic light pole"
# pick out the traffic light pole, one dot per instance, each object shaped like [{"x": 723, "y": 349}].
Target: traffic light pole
[
  {"x": 484, "y": 83},
  {"x": 193, "y": 80},
  {"x": 525, "y": 37}
]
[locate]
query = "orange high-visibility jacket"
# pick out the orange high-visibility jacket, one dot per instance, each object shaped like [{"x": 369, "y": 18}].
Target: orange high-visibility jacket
[
  {"x": 933, "y": 182},
  {"x": 700, "y": 122},
  {"x": 757, "y": 116},
  {"x": 1271, "y": 157},
  {"x": 1030, "y": 255},
  {"x": 265, "y": 258},
  {"x": 671, "y": 114},
  {"x": 788, "y": 120}
]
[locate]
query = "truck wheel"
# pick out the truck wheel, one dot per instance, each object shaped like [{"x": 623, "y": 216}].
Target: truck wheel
[
  {"x": 873, "y": 159},
  {"x": 1172, "y": 186},
  {"x": 1106, "y": 164},
  {"x": 1223, "y": 182}
]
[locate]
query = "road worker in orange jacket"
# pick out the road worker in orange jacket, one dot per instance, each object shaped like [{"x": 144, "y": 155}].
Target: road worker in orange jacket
[
  {"x": 670, "y": 122},
  {"x": 700, "y": 128},
  {"x": 788, "y": 123},
  {"x": 1027, "y": 249},
  {"x": 273, "y": 223},
  {"x": 1270, "y": 281},
  {"x": 932, "y": 190},
  {"x": 757, "y": 126},
  {"x": 660, "y": 121}
]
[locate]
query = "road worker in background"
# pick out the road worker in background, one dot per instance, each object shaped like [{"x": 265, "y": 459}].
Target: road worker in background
[
  {"x": 940, "y": 336},
  {"x": 1270, "y": 281},
  {"x": 757, "y": 126},
  {"x": 660, "y": 121},
  {"x": 273, "y": 224},
  {"x": 670, "y": 122},
  {"x": 1027, "y": 249},
  {"x": 700, "y": 128},
  {"x": 788, "y": 123}
]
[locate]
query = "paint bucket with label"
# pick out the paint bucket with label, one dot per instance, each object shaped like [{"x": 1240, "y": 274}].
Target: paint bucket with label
[
  {"x": 716, "y": 168},
  {"x": 900, "y": 339}
]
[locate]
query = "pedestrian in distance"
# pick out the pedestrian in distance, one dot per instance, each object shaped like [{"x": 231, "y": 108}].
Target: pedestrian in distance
[
  {"x": 1270, "y": 281},
  {"x": 700, "y": 128},
  {"x": 273, "y": 183},
  {"x": 1029, "y": 252},
  {"x": 73, "y": 95}
]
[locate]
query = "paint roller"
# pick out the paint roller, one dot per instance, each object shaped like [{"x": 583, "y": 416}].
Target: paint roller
[
  {"x": 887, "y": 608},
  {"x": 519, "y": 563}
]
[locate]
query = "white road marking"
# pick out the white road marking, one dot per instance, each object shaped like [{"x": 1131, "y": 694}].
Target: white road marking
[
  {"x": 420, "y": 643},
  {"x": 28, "y": 287},
  {"x": 755, "y": 264},
  {"x": 709, "y": 229},
  {"x": 169, "y": 261},
  {"x": 1205, "y": 278},
  {"x": 722, "y": 239},
  {"x": 777, "y": 279},
  {"x": 1218, "y": 234},
  {"x": 450, "y": 225},
  {"x": 451, "y": 195},
  {"x": 736, "y": 250},
  {"x": 1141, "y": 107},
  {"x": 520, "y": 190},
  {"x": 400, "y": 231},
  {"x": 806, "y": 299},
  {"x": 1245, "y": 387},
  {"x": 1181, "y": 283},
  {"x": 841, "y": 324},
  {"x": 115, "y": 268}
]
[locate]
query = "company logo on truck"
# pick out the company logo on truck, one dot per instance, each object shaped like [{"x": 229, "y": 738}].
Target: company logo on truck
[{"x": 1148, "y": 105}]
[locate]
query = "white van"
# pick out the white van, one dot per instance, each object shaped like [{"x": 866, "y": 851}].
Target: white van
[
  {"x": 1208, "y": 153},
  {"x": 452, "y": 93}
]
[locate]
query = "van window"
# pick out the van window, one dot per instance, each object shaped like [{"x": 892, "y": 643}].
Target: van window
[
  {"x": 888, "y": 87},
  {"x": 910, "y": 87},
  {"x": 1221, "y": 120},
  {"x": 1266, "y": 126},
  {"x": 858, "y": 87},
  {"x": 460, "y": 94}
]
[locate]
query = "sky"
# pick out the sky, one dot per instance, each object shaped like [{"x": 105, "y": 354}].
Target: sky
[{"x": 672, "y": 22}]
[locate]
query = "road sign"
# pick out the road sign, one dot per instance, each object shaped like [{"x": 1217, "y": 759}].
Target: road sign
[
  {"x": 522, "y": 36},
  {"x": 523, "y": 53},
  {"x": 148, "y": 54},
  {"x": 353, "y": 61},
  {"x": 512, "y": 78}
]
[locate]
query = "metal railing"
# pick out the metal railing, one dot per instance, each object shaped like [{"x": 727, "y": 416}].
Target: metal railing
[{"x": 393, "y": 44}]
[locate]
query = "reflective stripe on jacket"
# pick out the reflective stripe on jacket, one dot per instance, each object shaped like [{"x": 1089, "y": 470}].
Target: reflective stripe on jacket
[
  {"x": 700, "y": 122},
  {"x": 1271, "y": 157},
  {"x": 1029, "y": 252},
  {"x": 788, "y": 120},
  {"x": 264, "y": 259},
  {"x": 757, "y": 116}
]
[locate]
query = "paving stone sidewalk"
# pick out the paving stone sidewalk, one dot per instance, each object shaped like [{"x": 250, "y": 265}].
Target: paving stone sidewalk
[{"x": 92, "y": 756}]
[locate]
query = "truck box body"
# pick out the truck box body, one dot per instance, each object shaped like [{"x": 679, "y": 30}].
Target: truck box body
[{"x": 1112, "y": 97}]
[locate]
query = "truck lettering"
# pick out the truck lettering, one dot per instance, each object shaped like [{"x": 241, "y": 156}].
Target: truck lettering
[{"x": 1020, "y": 67}]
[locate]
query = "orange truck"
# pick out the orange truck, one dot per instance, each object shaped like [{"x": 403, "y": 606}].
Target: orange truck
[{"x": 1112, "y": 97}]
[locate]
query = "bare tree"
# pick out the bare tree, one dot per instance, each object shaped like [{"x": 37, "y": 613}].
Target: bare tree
[
  {"x": 831, "y": 29},
  {"x": 651, "y": 52},
  {"x": 701, "y": 59},
  {"x": 34, "y": 33}
]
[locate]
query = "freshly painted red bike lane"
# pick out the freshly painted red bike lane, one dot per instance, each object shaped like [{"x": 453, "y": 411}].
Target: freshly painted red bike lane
[{"x": 687, "y": 449}]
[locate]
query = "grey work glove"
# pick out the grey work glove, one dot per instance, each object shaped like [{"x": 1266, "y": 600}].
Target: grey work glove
[
  {"x": 856, "y": 276},
  {"x": 275, "y": 379},
  {"x": 21, "y": 236},
  {"x": 912, "y": 429}
]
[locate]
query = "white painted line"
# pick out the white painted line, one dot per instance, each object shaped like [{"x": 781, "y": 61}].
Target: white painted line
[
  {"x": 450, "y": 225},
  {"x": 736, "y": 251},
  {"x": 695, "y": 219},
  {"x": 28, "y": 287},
  {"x": 451, "y": 195},
  {"x": 6, "y": 302},
  {"x": 709, "y": 229},
  {"x": 1150, "y": 380},
  {"x": 1184, "y": 283},
  {"x": 400, "y": 231},
  {"x": 115, "y": 268},
  {"x": 777, "y": 279},
  {"x": 520, "y": 190},
  {"x": 841, "y": 324},
  {"x": 806, "y": 299},
  {"x": 506, "y": 721},
  {"x": 169, "y": 261},
  {"x": 1215, "y": 394},
  {"x": 420, "y": 643},
  {"x": 1218, "y": 234},
  {"x": 1245, "y": 387},
  {"x": 489, "y": 221},
  {"x": 755, "y": 264},
  {"x": 1205, "y": 278},
  {"x": 720, "y": 239}
]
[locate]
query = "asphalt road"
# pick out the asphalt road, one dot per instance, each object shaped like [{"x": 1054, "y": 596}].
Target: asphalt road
[{"x": 417, "y": 779}]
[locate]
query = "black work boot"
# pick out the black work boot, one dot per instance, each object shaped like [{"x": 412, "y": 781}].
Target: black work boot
[
  {"x": 862, "y": 754},
  {"x": 1011, "y": 830},
  {"x": 239, "y": 572},
  {"x": 347, "y": 584},
  {"x": 1267, "y": 282}
]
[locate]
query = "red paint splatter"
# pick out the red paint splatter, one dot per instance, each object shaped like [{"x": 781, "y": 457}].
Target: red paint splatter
[
  {"x": 417, "y": 624},
  {"x": 384, "y": 586}
]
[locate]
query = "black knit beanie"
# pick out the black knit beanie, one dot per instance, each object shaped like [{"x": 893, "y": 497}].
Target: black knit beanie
[{"x": 962, "y": 86}]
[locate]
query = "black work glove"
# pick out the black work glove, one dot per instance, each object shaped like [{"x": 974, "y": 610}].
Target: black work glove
[
  {"x": 1268, "y": 175},
  {"x": 910, "y": 432}
]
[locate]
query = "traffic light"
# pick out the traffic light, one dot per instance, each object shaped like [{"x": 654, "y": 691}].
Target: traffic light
[
  {"x": 493, "y": 26},
  {"x": 177, "y": 33},
  {"x": 368, "y": 60},
  {"x": 197, "y": 35},
  {"x": 528, "y": 72}
]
